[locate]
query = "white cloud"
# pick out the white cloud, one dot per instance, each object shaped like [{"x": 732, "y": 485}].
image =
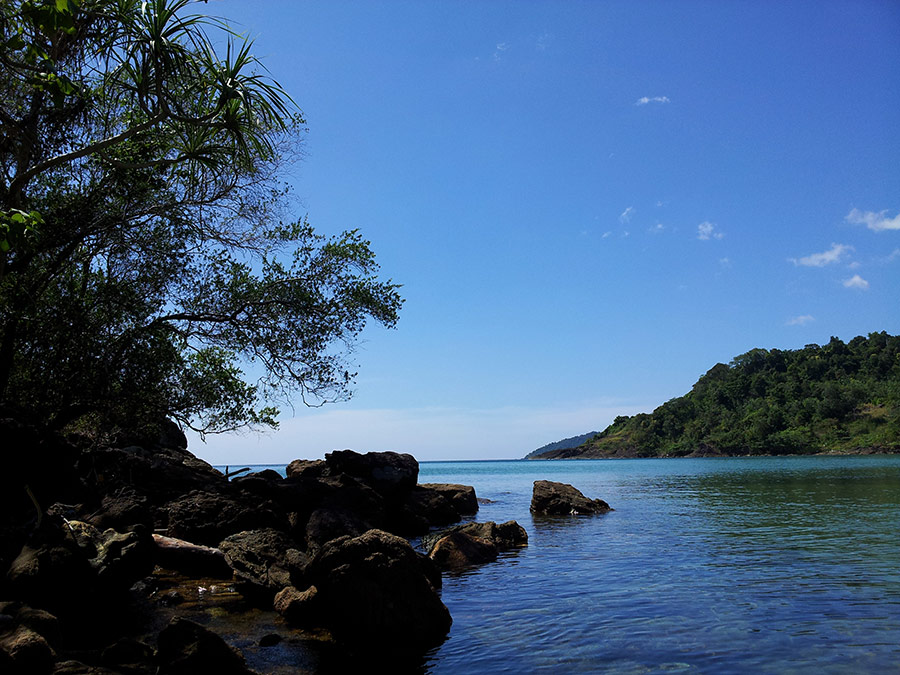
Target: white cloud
[
  {"x": 707, "y": 230},
  {"x": 425, "y": 433},
  {"x": 606, "y": 235},
  {"x": 501, "y": 47},
  {"x": 800, "y": 320},
  {"x": 832, "y": 255},
  {"x": 878, "y": 222},
  {"x": 625, "y": 217},
  {"x": 725, "y": 262},
  {"x": 893, "y": 256},
  {"x": 857, "y": 282},
  {"x": 652, "y": 99},
  {"x": 543, "y": 41},
  {"x": 656, "y": 229}
]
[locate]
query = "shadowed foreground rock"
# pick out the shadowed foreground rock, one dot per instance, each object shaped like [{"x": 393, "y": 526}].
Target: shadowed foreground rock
[
  {"x": 560, "y": 499},
  {"x": 374, "y": 589}
]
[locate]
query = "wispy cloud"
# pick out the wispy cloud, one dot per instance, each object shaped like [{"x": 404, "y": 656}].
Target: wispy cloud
[
  {"x": 543, "y": 41},
  {"x": 625, "y": 216},
  {"x": 877, "y": 222},
  {"x": 652, "y": 99},
  {"x": 707, "y": 230},
  {"x": 832, "y": 255},
  {"x": 498, "y": 52},
  {"x": 856, "y": 282},
  {"x": 895, "y": 254},
  {"x": 800, "y": 320},
  {"x": 725, "y": 263},
  {"x": 656, "y": 229}
]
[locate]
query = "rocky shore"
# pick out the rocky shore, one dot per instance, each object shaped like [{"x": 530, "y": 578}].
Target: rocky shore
[{"x": 106, "y": 551}]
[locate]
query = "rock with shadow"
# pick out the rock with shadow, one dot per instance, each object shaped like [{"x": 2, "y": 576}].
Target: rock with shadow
[{"x": 561, "y": 499}]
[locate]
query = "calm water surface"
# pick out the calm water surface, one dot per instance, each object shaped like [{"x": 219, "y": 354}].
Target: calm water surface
[{"x": 768, "y": 565}]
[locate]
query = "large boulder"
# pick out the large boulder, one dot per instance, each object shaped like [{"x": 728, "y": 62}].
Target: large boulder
[
  {"x": 373, "y": 589},
  {"x": 461, "y": 497},
  {"x": 391, "y": 474},
  {"x": 187, "y": 648},
  {"x": 343, "y": 504},
  {"x": 264, "y": 561},
  {"x": 559, "y": 499},
  {"x": 208, "y": 517}
]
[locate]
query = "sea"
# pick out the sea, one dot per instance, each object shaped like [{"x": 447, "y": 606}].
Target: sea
[{"x": 706, "y": 565}]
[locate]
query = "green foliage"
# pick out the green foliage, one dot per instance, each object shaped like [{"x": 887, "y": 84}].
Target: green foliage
[
  {"x": 146, "y": 265},
  {"x": 837, "y": 397}
]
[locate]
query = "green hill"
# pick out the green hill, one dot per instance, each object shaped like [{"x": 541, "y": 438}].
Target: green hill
[{"x": 840, "y": 397}]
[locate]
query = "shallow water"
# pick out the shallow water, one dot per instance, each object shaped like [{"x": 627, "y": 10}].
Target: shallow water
[{"x": 787, "y": 565}]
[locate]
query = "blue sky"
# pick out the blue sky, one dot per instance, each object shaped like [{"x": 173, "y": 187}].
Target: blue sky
[{"x": 588, "y": 204}]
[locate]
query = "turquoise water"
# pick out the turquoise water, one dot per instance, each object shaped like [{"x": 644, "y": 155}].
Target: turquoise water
[{"x": 771, "y": 565}]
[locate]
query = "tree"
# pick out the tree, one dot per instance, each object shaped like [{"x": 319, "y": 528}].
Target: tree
[{"x": 146, "y": 257}]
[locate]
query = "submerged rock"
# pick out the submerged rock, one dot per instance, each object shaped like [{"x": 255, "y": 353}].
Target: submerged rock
[
  {"x": 458, "y": 550},
  {"x": 474, "y": 543},
  {"x": 558, "y": 499},
  {"x": 187, "y": 648}
]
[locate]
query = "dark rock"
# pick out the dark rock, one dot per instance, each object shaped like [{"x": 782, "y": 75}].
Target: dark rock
[
  {"x": 391, "y": 474},
  {"x": 298, "y": 607},
  {"x": 123, "y": 557},
  {"x": 208, "y": 517},
  {"x": 264, "y": 561},
  {"x": 504, "y": 536},
  {"x": 432, "y": 505},
  {"x": 69, "y": 563},
  {"x": 554, "y": 499},
  {"x": 458, "y": 550},
  {"x": 267, "y": 474},
  {"x": 71, "y": 667},
  {"x": 51, "y": 572},
  {"x": 306, "y": 468},
  {"x": 129, "y": 656},
  {"x": 325, "y": 524},
  {"x": 26, "y": 651},
  {"x": 122, "y": 509},
  {"x": 41, "y": 622},
  {"x": 187, "y": 648},
  {"x": 159, "y": 474},
  {"x": 343, "y": 494},
  {"x": 191, "y": 559},
  {"x": 373, "y": 590},
  {"x": 270, "y": 640},
  {"x": 462, "y": 497}
]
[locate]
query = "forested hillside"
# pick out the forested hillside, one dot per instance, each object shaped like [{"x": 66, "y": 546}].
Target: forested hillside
[{"x": 842, "y": 397}]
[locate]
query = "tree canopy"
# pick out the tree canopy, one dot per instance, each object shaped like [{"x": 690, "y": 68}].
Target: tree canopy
[{"x": 149, "y": 265}]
